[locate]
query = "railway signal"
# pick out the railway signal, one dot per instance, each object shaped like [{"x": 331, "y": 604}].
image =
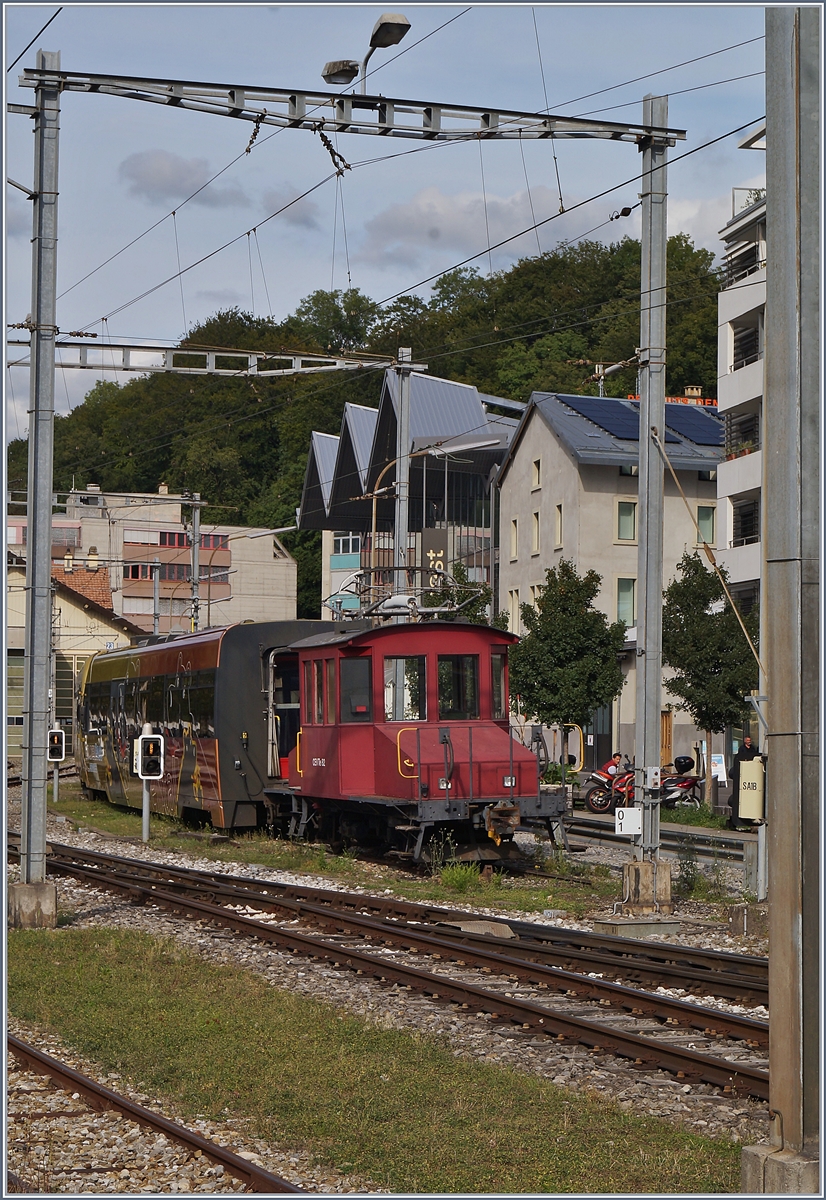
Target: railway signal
[
  {"x": 56, "y": 751},
  {"x": 150, "y": 756}
]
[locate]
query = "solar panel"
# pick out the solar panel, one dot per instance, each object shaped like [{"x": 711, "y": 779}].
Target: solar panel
[
  {"x": 616, "y": 418},
  {"x": 695, "y": 423},
  {"x": 669, "y": 437},
  {"x": 608, "y": 414}
]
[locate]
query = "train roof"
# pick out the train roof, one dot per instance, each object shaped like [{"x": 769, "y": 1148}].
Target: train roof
[{"x": 362, "y": 636}]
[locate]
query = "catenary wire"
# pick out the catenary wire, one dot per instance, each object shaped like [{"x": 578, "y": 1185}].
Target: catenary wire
[
  {"x": 34, "y": 39},
  {"x": 682, "y": 92},
  {"x": 663, "y": 70},
  {"x": 590, "y": 199},
  {"x": 231, "y": 163}
]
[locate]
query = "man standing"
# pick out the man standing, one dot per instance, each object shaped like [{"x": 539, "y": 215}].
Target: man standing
[{"x": 746, "y": 753}]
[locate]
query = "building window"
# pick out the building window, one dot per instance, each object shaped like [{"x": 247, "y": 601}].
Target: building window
[
  {"x": 747, "y": 341},
  {"x": 559, "y": 524},
  {"x": 705, "y": 524},
  {"x": 630, "y": 470},
  {"x": 742, "y": 433},
  {"x": 536, "y": 473},
  {"x": 498, "y": 662},
  {"x": 535, "y": 534},
  {"x": 173, "y": 538},
  {"x": 627, "y": 601},
  {"x": 346, "y": 543},
  {"x": 136, "y": 571},
  {"x": 514, "y": 538},
  {"x": 707, "y": 476},
  {"x": 627, "y": 521},
  {"x": 534, "y": 592},
  {"x": 214, "y": 541},
  {"x": 746, "y": 524},
  {"x": 513, "y": 610}
]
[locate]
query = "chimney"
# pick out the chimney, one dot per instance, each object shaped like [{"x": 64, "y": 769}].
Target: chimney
[
  {"x": 694, "y": 392},
  {"x": 68, "y": 562},
  {"x": 92, "y": 487},
  {"x": 163, "y": 489},
  {"x": 92, "y": 559}
]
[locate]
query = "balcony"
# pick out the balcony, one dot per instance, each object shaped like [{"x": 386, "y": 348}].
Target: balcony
[
  {"x": 742, "y": 562},
  {"x": 741, "y": 473},
  {"x": 739, "y": 387}
]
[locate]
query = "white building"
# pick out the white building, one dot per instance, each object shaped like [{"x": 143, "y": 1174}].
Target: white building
[{"x": 568, "y": 490}]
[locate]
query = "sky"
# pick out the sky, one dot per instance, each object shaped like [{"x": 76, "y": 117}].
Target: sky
[{"x": 390, "y": 223}]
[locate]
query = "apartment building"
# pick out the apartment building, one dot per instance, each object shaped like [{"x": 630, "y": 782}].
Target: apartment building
[
  {"x": 244, "y": 574},
  {"x": 568, "y": 489}
]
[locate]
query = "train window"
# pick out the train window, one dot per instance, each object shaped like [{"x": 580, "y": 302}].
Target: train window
[
  {"x": 308, "y": 693},
  {"x": 405, "y": 693},
  {"x": 458, "y": 687},
  {"x": 331, "y": 691},
  {"x": 354, "y": 682},
  {"x": 318, "y": 690},
  {"x": 498, "y": 659},
  {"x": 201, "y": 703}
]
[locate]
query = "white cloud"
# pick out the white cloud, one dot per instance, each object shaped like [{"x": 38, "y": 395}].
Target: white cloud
[
  {"x": 703, "y": 219},
  {"x": 223, "y": 298},
  {"x": 18, "y": 219},
  {"x": 164, "y": 178},
  {"x": 455, "y": 226},
  {"x": 303, "y": 213}
]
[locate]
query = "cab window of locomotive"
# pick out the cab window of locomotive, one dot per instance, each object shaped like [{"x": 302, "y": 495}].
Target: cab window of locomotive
[
  {"x": 318, "y": 690},
  {"x": 498, "y": 660},
  {"x": 405, "y": 693},
  {"x": 308, "y": 693},
  {"x": 331, "y": 691},
  {"x": 458, "y": 687},
  {"x": 354, "y": 687}
]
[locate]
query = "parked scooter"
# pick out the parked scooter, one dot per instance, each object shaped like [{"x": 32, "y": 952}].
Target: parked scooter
[{"x": 681, "y": 788}]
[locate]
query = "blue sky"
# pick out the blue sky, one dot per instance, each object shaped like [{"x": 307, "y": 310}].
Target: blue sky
[{"x": 125, "y": 165}]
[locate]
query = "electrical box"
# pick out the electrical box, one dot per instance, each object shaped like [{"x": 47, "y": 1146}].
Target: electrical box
[
  {"x": 652, "y": 777},
  {"x": 57, "y": 746},
  {"x": 150, "y": 756},
  {"x": 752, "y": 780}
]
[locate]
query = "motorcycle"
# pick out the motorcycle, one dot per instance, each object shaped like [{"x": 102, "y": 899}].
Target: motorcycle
[
  {"x": 681, "y": 788},
  {"x": 608, "y": 791}
]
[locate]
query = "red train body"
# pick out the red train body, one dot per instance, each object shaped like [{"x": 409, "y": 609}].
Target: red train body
[{"x": 386, "y": 737}]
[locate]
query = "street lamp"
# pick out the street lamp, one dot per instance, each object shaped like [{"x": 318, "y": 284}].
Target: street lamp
[{"x": 387, "y": 31}]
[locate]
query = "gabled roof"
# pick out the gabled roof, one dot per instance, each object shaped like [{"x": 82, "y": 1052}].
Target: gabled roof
[
  {"x": 360, "y": 425},
  {"x": 349, "y": 482},
  {"x": 318, "y": 480},
  {"x": 609, "y": 434}
]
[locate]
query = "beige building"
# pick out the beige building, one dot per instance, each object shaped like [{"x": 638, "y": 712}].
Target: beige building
[
  {"x": 245, "y": 574},
  {"x": 83, "y": 623},
  {"x": 568, "y": 489}
]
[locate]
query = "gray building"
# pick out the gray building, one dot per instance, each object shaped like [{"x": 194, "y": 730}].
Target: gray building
[
  {"x": 568, "y": 489},
  {"x": 456, "y": 444}
]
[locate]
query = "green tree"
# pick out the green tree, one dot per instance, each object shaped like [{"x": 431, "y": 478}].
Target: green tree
[
  {"x": 476, "y": 611},
  {"x": 703, "y": 644},
  {"x": 334, "y": 321},
  {"x": 566, "y": 665}
]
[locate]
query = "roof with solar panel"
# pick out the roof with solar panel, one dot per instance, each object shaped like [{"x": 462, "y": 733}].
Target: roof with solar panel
[{"x": 605, "y": 430}]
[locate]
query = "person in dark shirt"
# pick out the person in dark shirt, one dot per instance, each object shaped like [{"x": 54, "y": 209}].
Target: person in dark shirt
[{"x": 746, "y": 753}]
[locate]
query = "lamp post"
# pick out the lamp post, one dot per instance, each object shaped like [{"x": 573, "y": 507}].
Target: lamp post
[{"x": 387, "y": 31}]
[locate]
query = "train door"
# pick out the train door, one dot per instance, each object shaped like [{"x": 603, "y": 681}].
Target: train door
[{"x": 283, "y": 712}]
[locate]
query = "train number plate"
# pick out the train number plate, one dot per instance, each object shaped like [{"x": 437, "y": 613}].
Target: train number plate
[{"x": 319, "y": 762}]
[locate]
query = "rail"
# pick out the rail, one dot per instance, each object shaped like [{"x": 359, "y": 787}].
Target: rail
[{"x": 100, "y": 1097}]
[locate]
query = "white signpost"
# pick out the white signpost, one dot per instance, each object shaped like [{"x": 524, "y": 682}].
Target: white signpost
[{"x": 628, "y": 821}]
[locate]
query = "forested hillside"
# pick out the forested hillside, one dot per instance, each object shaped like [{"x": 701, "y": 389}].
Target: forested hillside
[{"x": 243, "y": 443}]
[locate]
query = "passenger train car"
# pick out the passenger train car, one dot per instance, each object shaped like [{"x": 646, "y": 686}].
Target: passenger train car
[{"x": 382, "y": 737}]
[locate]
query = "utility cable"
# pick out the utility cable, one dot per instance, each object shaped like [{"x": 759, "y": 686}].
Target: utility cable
[
  {"x": 252, "y": 285},
  {"x": 180, "y": 276},
  {"x": 662, "y": 71},
  {"x": 263, "y": 273},
  {"x": 485, "y": 205},
  {"x": 547, "y": 109},
  {"x": 528, "y": 189},
  {"x": 555, "y": 216},
  {"x": 682, "y": 92},
  {"x": 34, "y": 39}
]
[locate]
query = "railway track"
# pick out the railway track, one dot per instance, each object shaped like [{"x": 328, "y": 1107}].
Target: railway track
[
  {"x": 712, "y": 846},
  {"x": 99, "y": 1098},
  {"x": 483, "y": 974},
  {"x": 63, "y": 773}
]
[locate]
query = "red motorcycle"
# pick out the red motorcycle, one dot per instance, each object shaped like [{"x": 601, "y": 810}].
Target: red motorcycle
[{"x": 610, "y": 791}]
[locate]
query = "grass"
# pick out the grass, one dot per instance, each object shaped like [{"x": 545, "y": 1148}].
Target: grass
[
  {"x": 702, "y": 816},
  {"x": 584, "y": 893},
  {"x": 397, "y": 1108}
]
